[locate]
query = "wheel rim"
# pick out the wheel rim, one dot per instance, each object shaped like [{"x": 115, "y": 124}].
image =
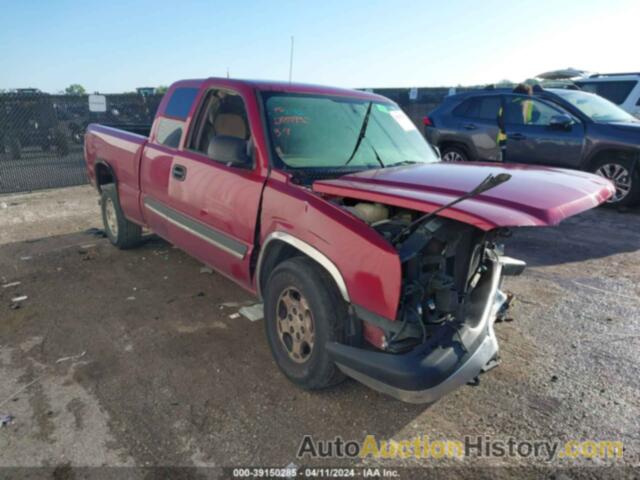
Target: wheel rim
[
  {"x": 110, "y": 215},
  {"x": 620, "y": 177},
  {"x": 452, "y": 156},
  {"x": 295, "y": 325}
]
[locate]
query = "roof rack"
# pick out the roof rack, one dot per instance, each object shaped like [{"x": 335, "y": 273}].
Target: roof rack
[{"x": 597, "y": 75}]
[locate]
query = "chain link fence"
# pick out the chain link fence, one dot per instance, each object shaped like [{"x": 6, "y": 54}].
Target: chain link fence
[{"x": 41, "y": 135}]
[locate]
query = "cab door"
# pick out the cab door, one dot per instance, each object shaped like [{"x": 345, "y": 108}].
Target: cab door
[
  {"x": 534, "y": 138},
  {"x": 216, "y": 203},
  {"x": 478, "y": 126},
  {"x": 209, "y": 207}
]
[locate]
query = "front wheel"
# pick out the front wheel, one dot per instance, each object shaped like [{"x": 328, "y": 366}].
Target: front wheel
[
  {"x": 303, "y": 312},
  {"x": 121, "y": 232},
  {"x": 625, "y": 178}
]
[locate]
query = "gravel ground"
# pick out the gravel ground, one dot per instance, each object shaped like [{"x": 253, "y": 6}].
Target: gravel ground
[{"x": 136, "y": 359}]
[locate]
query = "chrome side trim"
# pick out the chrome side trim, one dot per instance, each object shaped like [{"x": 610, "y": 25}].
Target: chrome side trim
[
  {"x": 203, "y": 232},
  {"x": 308, "y": 250}
]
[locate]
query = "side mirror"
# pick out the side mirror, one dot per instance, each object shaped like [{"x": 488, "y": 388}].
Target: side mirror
[
  {"x": 229, "y": 150},
  {"x": 561, "y": 122}
]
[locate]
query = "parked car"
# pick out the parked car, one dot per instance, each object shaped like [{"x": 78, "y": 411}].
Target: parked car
[
  {"x": 373, "y": 258},
  {"x": 623, "y": 89},
  {"x": 568, "y": 128}
]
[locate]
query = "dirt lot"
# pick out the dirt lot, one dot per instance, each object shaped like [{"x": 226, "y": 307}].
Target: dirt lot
[{"x": 132, "y": 358}]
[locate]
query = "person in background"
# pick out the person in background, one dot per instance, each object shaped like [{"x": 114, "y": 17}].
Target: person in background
[
  {"x": 527, "y": 113},
  {"x": 527, "y": 105}
]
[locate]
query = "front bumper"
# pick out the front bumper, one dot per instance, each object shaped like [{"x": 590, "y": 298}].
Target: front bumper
[{"x": 451, "y": 358}]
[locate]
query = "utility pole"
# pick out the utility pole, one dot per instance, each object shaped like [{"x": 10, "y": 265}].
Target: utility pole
[{"x": 291, "y": 61}]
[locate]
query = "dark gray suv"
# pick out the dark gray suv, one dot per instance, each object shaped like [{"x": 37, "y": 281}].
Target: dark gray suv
[{"x": 564, "y": 128}]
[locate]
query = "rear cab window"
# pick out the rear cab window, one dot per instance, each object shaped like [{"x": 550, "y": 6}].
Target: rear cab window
[{"x": 172, "y": 122}]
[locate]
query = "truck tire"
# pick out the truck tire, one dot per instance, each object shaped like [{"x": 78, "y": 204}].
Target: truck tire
[
  {"x": 625, "y": 174},
  {"x": 121, "y": 232},
  {"x": 303, "y": 312}
]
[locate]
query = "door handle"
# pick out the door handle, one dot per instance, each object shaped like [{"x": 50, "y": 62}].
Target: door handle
[
  {"x": 179, "y": 172},
  {"x": 517, "y": 136},
  {"x": 469, "y": 126}
]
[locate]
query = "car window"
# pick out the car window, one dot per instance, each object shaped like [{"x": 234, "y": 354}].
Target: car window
[
  {"x": 325, "y": 132},
  {"x": 616, "y": 92},
  {"x": 597, "y": 108},
  {"x": 223, "y": 114},
  {"x": 169, "y": 132},
  {"x": 180, "y": 102},
  {"x": 483, "y": 108},
  {"x": 529, "y": 111}
]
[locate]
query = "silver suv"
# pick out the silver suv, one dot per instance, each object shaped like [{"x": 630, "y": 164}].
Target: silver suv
[{"x": 623, "y": 89}]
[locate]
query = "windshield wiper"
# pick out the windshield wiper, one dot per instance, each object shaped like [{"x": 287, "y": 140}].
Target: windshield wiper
[
  {"x": 363, "y": 131},
  {"x": 378, "y": 159}
]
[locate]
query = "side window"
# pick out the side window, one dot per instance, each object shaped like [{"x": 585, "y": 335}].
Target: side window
[
  {"x": 222, "y": 114},
  {"x": 169, "y": 132},
  {"x": 528, "y": 111},
  {"x": 170, "y": 129},
  {"x": 482, "y": 108},
  {"x": 461, "y": 109},
  {"x": 180, "y": 102}
]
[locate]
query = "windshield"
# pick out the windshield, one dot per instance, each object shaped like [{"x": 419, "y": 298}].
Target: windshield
[
  {"x": 318, "y": 132},
  {"x": 595, "y": 107}
]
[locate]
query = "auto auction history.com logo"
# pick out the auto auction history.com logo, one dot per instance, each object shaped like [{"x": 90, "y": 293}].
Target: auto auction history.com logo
[{"x": 470, "y": 446}]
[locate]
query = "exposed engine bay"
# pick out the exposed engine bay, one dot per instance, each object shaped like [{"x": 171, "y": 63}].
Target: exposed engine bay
[{"x": 442, "y": 263}]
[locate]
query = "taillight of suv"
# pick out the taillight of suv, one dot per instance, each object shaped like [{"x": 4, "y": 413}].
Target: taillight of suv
[{"x": 428, "y": 122}]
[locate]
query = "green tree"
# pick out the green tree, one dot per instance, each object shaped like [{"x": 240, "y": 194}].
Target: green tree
[
  {"x": 75, "y": 89},
  {"x": 162, "y": 89}
]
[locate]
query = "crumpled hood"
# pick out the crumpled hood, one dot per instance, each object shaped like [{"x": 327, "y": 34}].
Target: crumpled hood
[{"x": 534, "y": 196}]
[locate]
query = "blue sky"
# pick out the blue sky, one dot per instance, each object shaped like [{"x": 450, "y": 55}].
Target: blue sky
[{"x": 119, "y": 45}]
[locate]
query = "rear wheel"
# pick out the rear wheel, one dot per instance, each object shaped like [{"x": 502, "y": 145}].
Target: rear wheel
[
  {"x": 303, "y": 312},
  {"x": 625, "y": 178},
  {"x": 454, "y": 154},
  {"x": 121, "y": 232}
]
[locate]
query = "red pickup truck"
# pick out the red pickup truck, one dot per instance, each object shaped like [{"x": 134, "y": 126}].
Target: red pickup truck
[{"x": 372, "y": 258}]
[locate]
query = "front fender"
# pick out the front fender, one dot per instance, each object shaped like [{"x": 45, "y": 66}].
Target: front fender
[{"x": 365, "y": 267}]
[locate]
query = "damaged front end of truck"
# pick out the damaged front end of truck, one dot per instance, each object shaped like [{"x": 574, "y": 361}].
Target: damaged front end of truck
[
  {"x": 451, "y": 294},
  {"x": 450, "y": 299}
]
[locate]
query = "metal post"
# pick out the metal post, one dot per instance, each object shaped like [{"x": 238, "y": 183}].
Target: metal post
[{"x": 291, "y": 61}]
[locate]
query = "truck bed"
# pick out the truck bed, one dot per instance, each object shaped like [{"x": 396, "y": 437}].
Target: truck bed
[{"x": 117, "y": 152}]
